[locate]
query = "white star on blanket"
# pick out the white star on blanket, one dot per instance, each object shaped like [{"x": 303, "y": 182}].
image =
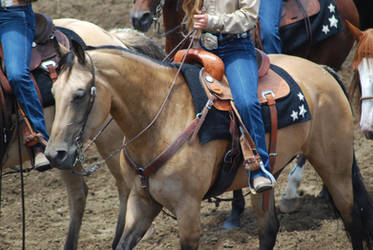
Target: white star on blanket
[
  {"x": 300, "y": 96},
  {"x": 294, "y": 115},
  {"x": 333, "y": 21},
  {"x": 325, "y": 29},
  {"x": 331, "y": 8},
  {"x": 302, "y": 111}
]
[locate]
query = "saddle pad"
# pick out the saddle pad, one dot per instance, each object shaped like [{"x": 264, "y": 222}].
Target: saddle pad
[
  {"x": 292, "y": 13},
  {"x": 323, "y": 25},
  {"x": 42, "y": 78},
  {"x": 291, "y": 109}
]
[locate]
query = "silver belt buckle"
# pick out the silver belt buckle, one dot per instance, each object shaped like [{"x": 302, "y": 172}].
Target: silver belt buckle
[
  {"x": 244, "y": 35},
  {"x": 7, "y": 3},
  {"x": 209, "y": 41}
]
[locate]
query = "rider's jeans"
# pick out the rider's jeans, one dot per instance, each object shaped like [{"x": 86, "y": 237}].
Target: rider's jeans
[
  {"x": 17, "y": 27},
  {"x": 269, "y": 18},
  {"x": 241, "y": 70}
]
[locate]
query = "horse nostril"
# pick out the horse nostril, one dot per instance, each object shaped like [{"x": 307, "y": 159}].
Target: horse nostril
[
  {"x": 56, "y": 157},
  {"x": 61, "y": 155},
  {"x": 143, "y": 21}
]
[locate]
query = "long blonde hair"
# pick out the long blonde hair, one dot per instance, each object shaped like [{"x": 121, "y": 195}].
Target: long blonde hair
[{"x": 189, "y": 7}]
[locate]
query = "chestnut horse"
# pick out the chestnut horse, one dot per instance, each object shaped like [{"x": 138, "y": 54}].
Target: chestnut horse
[
  {"x": 363, "y": 63},
  {"x": 123, "y": 90},
  {"x": 111, "y": 138}
]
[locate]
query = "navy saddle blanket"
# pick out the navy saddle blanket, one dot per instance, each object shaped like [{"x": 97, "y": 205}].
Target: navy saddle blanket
[
  {"x": 291, "y": 109},
  {"x": 42, "y": 77},
  {"x": 324, "y": 24}
]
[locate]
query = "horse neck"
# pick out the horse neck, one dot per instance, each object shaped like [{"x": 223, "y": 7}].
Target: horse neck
[{"x": 138, "y": 88}]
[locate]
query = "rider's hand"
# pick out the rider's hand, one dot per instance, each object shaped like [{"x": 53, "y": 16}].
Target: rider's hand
[{"x": 200, "y": 20}]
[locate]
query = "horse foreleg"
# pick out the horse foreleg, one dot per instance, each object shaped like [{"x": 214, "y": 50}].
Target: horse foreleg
[
  {"x": 268, "y": 224},
  {"x": 238, "y": 206},
  {"x": 290, "y": 198},
  {"x": 77, "y": 192},
  {"x": 189, "y": 223},
  {"x": 139, "y": 217}
]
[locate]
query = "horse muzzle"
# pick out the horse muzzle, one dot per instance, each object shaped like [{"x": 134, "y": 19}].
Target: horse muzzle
[
  {"x": 61, "y": 157},
  {"x": 142, "y": 20}
]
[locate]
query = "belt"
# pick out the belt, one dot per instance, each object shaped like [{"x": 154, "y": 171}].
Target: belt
[
  {"x": 12, "y": 3},
  {"x": 227, "y": 38}
]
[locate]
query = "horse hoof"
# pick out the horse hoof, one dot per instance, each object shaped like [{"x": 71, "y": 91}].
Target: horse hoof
[
  {"x": 289, "y": 205},
  {"x": 232, "y": 223}
]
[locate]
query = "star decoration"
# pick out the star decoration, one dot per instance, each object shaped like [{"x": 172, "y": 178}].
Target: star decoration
[
  {"x": 333, "y": 21},
  {"x": 300, "y": 96},
  {"x": 294, "y": 115},
  {"x": 331, "y": 8},
  {"x": 302, "y": 111},
  {"x": 325, "y": 29}
]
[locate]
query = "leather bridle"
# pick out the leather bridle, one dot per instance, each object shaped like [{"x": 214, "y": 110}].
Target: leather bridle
[
  {"x": 158, "y": 13},
  {"x": 78, "y": 140}
]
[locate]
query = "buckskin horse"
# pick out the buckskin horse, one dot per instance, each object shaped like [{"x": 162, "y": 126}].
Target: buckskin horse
[
  {"x": 122, "y": 89},
  {"x": 331, "y": 52},
  {"x": 110, "y": 139}
]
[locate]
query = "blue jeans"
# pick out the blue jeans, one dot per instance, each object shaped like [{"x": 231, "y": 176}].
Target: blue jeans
[
  {"x": 242, "y": 73},
  {"x": 17, "y": 28},
  {"x": 269, "y": 19}
]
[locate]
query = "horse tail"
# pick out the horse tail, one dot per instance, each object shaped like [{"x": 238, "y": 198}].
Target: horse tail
[{"x": 360, "y": 229}]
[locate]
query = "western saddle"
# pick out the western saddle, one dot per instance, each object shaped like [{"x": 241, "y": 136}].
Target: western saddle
[{"x": 270, "y": 88}]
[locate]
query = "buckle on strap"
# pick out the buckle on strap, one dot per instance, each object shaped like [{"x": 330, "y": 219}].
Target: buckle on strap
[
  {"x": 268, "y": 92},
  {"x": 46, "y": 64}
]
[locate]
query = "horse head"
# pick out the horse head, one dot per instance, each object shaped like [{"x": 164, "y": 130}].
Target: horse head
[
  {"x": 363, "y": 63},
  {"x": 144, "y": 12},
  {"x": 76, "y": 99}
]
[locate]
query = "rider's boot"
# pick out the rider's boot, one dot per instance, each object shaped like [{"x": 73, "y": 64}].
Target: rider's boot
[
  {"x": 261, "y": 184},
  {"x": 41, "y": 162}
]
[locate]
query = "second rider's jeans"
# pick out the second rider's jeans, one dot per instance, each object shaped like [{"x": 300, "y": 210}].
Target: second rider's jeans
[
  {"x": 269, "y": 18},
  {"x": 17, "y": 27}
]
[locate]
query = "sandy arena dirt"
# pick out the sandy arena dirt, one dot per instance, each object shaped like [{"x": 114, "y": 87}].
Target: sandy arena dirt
[{"x": 314, "y": 226}]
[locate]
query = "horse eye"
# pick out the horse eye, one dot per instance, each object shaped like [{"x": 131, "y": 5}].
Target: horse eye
[{"x": 79, "y": 94}]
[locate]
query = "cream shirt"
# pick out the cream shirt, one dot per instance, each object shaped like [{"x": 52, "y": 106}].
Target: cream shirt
[{"x": 231, "y": 16}]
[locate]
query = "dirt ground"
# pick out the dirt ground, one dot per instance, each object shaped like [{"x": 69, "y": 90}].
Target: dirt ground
[{"x": 314, "y": 226}]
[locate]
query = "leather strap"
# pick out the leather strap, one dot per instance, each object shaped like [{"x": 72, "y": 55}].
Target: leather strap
[
  {"x": 2, "y": 98},
  {"x": 202, "y": 116},
  {"x": 271, "y": 102},
  {"x": 162, "y": 158},
  {"x": 249, "y": 151},
  {"x": 52, "y": 73},
  {"x": 5, "y": 83}
]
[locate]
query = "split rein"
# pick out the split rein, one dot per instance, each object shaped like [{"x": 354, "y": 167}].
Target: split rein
[{"x": 78, "y": 141}]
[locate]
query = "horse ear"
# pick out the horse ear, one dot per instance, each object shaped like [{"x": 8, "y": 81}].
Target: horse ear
[
  {"x": 78, "y": 51},
  {"x": 356, "y": 32}
]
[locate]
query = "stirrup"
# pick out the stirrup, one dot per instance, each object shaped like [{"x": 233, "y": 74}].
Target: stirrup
[{"x": 268, "y": 175}]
